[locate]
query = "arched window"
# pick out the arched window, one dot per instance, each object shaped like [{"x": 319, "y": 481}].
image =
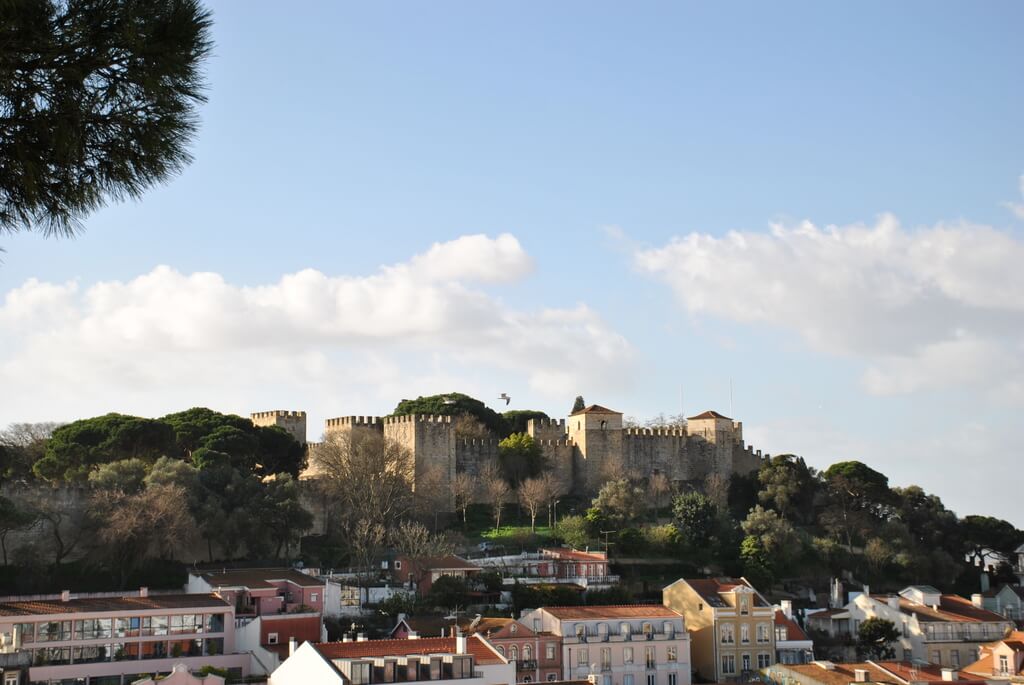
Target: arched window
[
  {"x": 513, "y": 653},
  {"x": 501, "y": 650},
  {"x": 513, "y": 628},
  {"x": 552, "y": 677},
  {"x": 527, "y": 653},
  {"x": 624, "y": 629}
]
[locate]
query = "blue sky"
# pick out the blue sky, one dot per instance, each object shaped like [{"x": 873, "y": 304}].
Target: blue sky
[{"x": 666, "y": 176}]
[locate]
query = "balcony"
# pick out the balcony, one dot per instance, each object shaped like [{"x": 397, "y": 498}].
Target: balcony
[{"x": 526, "y": 665}]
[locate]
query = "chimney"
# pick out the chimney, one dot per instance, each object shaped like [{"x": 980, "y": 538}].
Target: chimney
[
  {"x": 976, "y": 600},
  {"x": 65, "y": 596},
  {"x": 860, "y": 675},
  {"x": 345, "y": 637},
  {"x": 866, "y": 590},
  {"x": 950, "y": 674},
  {"x": 413, "y": 635},
  {"x": 361, "y": 637},
  {"x": 460, "y": 644},
  {"x": 292, "y": 645},
  {"x": 143, "y": 592},
  {"x": 787, "y": 608},
  {"x": 985, "y": 583}
]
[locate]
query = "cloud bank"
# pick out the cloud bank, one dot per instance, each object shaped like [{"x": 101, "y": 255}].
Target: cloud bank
[
  {"x": 330, "y": 339},
  {"x": 925, "y": 309}
]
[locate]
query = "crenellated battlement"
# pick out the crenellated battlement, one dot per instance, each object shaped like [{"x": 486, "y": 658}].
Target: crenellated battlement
[
  {"x": 555, "y": 443},
  {"x": 276, "y": 413},
  {"x": 479, "y": 442},
  {"x": 352, "y": 422},
  {"x": 416, "y": 418},
  {"x": 656, "y": 432},
  {"x": 549, "y": 423}
]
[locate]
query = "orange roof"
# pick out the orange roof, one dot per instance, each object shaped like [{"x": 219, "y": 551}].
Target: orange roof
[
  {"x": 566, "y": 553},
  {"x": 710, "y": 588},
  {"x": 481, "y": 651},
  {"x": 951, "y": 608},
  {"x": 613, "y": 611},
  {"x": 595, "y": 409},
  {"x": 985, "y": 665},
  {"x": 793, "y": 629},
  {"x": 844, "y": 674},
  {"x": 709, "y": 415},
  {"x": 918, "y": 673},
  {"x": 83, "y": 605},
  {"x": 448, "y": 562}
]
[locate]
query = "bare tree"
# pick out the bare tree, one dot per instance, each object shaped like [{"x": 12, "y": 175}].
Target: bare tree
[
  {"x": 716, "y": 487},
  {"x": 533, "y": 495},
  {"x": 366, "y": 476},
  {"x": 659, "y": 486},
  {"x": 554, "y": 487},
  {"x": 468, "y": 426},
  {"x": 416, "y": 544},
  {"x": 431, "y": 496},
  {"x": 25, "y": 444},
  {"x": 65, "y": 520},
  {"x": 496, "y": 491},
  {"x": 463, "y": 488},
  {"x": 366, "y": 542}
]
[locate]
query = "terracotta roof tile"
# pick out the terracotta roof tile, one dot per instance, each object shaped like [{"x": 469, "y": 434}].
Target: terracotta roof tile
[
  {"x": 793, "y": 629},
  {"x": 951, "y": 609},
  {"x": 449, "y": 561},
  {"x": 710, "y": 589},
  {"x": 709, "y": 415},
  {"x": 918, "y": 673},
  {"x": 566, "y": 553},
  {"x": 84, "y": 605},
  {"x": 481, "y": 651},
  {"x": 595, "y": 409},
  {"x": 844, "y": 674},
  {"x": 255, "y": 578},
  {"x": 612, "y": 611}
]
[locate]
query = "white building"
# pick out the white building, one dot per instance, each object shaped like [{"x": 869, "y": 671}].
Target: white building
[
  {"x": 454, "y": 660},
  {"x": 618, "y": 645}
]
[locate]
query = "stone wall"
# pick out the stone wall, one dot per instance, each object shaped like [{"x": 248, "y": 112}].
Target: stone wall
[{"x": 292, "y": 421}]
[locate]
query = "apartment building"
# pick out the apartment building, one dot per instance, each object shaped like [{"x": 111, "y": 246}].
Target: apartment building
[
  {"x": 1001, "y": 660},
  {"x": 555, "y": 565},
  {"x": 1006, "y": 600},
  {"x": 945, "y": 630},
  {"x": 102, "y": 638},
  {"x": 732, "y": 626},
  {"x": 616, "y": 645},
  {"x": 455, "y": 660},
  {"x": 422, "y": 573},
  {"x": 792, "y": 644}
]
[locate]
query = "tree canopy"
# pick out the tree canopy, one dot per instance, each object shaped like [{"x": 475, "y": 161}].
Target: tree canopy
[{"x": 97, "y": 101}]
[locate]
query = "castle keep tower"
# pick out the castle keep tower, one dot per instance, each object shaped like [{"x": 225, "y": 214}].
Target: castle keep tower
[
  {"x": 597, "y": 433},
  {"x": 721, "y": 433},
  {"x": 292, "y": 421}
]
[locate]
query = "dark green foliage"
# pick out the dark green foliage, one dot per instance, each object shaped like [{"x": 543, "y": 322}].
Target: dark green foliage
[
  {"x": 875, "y": 637},
  {"x": 516, "y": 420},
  {"x": 454, "y": 404},
  {"x": 527, "y": 596},
  {"x": 77, "y": 448},
  {"x": 986, "y": 533},
  {"x": 618, "y": 505},
  {"x": 449, "y": 592},
  {"x": 213, "y": 670},
  {"x": 520, "y": 457},
  {"x": 743, "y": 494},
  {"x": 578, "y": 404},
  {"x": 788, "y": 486},
  {"x": 97, "y": 101},
  {"x": 695, "y": 518},
  {"x": 280, "y": 513},
  {"x": 193, "y": 426}
]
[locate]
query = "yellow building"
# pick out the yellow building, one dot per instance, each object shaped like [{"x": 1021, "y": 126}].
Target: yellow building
[{"x": 731, "y": 626}]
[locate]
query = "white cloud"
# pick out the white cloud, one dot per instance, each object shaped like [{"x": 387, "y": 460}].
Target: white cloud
[
  {"x": 1016, "y": 207},
  {"x": 167, "y": 339},
  {"x": 923, "y": 309}
]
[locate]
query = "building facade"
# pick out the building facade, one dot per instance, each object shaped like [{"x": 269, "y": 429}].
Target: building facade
[
  {"x": 732, "y": 626},
  {"x": 616, "y": 645},
  {"x": 101, "y": 638},
  {"x": 944, "y": 630},
  {"x": 1001, "y": 660},
  {"x": 559, "y": 565},
  {"x": 792, "y": 644}
]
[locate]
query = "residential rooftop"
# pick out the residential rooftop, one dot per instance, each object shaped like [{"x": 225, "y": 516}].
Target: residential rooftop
[
  {"x": 258, "y": 578},
  {"x": 612, "y": 611},
  {"x": 91, "y": 605},
  {"x": 475, "y": 646}
]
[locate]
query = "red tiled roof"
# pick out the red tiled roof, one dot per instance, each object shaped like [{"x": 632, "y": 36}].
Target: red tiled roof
[
  {"x": 709, "y": 415},
  {"x": 710, "y": 588},
  {"x": 793, "y": 629},
  {"x": 952, "y": 609},
  {"x": 481, "y": 651},
  {"x": 613, "y": 611},
  {"x": 254, "y": 578},
  {"x": 843, "y": 674},
  {"x": 83, "y": 605},
  {"x": 447, "y": 562},
  {"x": 595, "y": 409},
  {"x": 918, "y": 673}
]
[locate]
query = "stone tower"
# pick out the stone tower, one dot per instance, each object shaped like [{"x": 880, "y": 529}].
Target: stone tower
[
  {"x": 596, "y": 432},
  {"x": 721, "y": 435},
  {"x": 431, "y": 440},
  {"x": 292, "y": 421}
]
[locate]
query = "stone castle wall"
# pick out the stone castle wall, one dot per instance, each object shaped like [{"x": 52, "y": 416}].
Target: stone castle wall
[{"x": 292, "y": 421}]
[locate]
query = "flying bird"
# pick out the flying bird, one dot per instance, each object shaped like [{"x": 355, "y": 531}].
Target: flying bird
[{"x": 504, "y": 396}]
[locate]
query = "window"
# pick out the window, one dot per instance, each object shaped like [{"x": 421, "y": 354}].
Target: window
[
  {"x": 648, "y": 630},
  {"x": 668, "y": 628},
  {"x": 672, "y": 679},
  {"x": 501, "y": 650},
  {"x": 536, "y": 625},
  {"x": 781, "y": 633},
  {"x": 552, "y": 677},
  {"x": 764, "y": 660},
  {"x": 746, "y": 662},
  {"x": 744, "y": 605},
  {"x": 549, "y": 651},
  {"x": 627, "y": 655},
  {"x": 398, "y": 565},
  {"x": 627, "y": 679},
  {"x": 972, "y": 655},
  {"x": 581, "y": 630},
  {"x": 673, "y": 653},
  {"x": 649, "y": 657},
  {"x": 11, "y": 679},
  {"x": 652, "y": 679},
  {"x": 745, "y": 634},
  {"x": 27, "y": 632},
  {"x": 1004, "y": 665},
  {"x": 527, "y": 679},
  {"x": 513, "y": 653},
  {"x": 607, "y": 680},
  {"x": 583, "y": 658},
  {"x": 513, "y": 628},
  {"x": 527, "y": 653},
  {"x": 313, "y": 597},
  {"x": 762, "y": 633},
  {"x": 624, "y": 629},
  {"x": 954, "y": 657},
  {"x": 728, "y": 664},
  {"x": 937, "y": 657},
  {"x": 271, "y": 638},
  {"x": 700, "y": 606},
  {"x": 606, "y": 658},
  {"x": 53, "y": 631},
  {"x": 728, "y": 633}
]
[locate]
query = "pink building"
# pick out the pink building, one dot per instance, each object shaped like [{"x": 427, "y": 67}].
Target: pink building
[
  {"x": 586, "y": 569},
  {"x": 110, "y": 639},
  {"x": 421, "y": 573}
]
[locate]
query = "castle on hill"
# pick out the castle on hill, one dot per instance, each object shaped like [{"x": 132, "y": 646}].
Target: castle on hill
[{"x": 582, "y": 449}]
